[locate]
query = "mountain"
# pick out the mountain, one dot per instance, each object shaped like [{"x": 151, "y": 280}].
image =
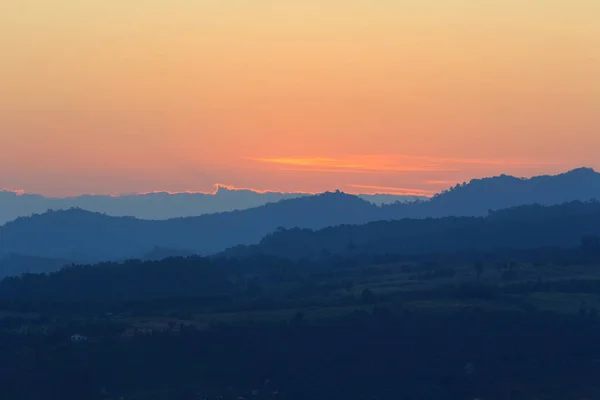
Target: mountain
[
  {"x": 553, "y": 234},
  {"x": 157, "y": 206},
  {"x": 85, "y": 236},
  {"x": 481, "y": 195},
  {"x": 524, "y": 227}
]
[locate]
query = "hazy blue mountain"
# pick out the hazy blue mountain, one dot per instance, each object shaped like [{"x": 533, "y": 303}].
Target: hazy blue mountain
[
  {"x": 86, "y": 236},
  {"x": 481, "y": 195},
  {"x": 156, "y": 206},
  {"x": 160, "y": 205}
]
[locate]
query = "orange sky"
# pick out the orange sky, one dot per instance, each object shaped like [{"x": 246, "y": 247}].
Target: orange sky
[{"x": 366, "y": 96}]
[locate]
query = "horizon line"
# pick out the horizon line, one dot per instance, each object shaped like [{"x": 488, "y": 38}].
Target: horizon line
[
  {"x": 218, "y": 187},
  {"x": 385, "y": 190}
]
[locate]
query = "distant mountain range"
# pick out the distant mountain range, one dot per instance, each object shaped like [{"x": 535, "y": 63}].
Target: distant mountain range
[
  {"x": 84, "y": 236},
  {"x": 160, "y": 205}
]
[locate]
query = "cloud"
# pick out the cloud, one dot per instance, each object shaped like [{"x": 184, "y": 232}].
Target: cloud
[
  {"x": 354, "y": 163},
  {"x": 442, "y": 182},
  {"x": 394, "y": 163},
  {"x": 490, "y": 161},
  {"x": 400, "y": 191},
  {"x": 18, "y": 192},
  {"x": 328, "y": 170},
  {"x": 259, "y": 191}
]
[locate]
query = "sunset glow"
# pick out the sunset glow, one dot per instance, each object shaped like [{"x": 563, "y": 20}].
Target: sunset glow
[{"x": 304, "y": 96}]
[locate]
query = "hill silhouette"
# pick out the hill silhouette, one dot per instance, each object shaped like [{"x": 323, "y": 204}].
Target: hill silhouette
[
  {"x": 84, "y": 236},
  {"x": 549, "y": 234},
  {"x": 517, "y": 228},
  {"x": 159, "y": 205},
  {"x": 479, "y": 196},
  {"x": 504, "y": 191}
]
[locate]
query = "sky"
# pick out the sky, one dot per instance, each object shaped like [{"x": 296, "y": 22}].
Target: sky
[{"x": 363, "y": 96}]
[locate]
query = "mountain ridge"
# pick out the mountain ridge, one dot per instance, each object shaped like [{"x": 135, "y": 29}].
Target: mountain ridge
[
  {"x": 158, "y": 205},
  {"x": 85, "y": 236},
  {"x": 515, "y": 228}
]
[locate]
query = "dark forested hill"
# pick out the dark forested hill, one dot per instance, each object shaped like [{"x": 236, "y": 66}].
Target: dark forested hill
[
  {"x": 131, "y": 280},
  {"x": 522, "y": 227}
]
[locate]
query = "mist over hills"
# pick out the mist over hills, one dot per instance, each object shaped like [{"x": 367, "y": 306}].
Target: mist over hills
[
  {"x": 84, "y": 236},
  {"x": 159, "y": 205}
]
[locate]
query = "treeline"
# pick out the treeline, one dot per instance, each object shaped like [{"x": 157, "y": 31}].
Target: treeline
[
  {"x": 131, "y": 280},
  {"x": 260, "y": 281},
  {"x": 200, "y": 280},
  {"x": 383, "y": 353}
]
